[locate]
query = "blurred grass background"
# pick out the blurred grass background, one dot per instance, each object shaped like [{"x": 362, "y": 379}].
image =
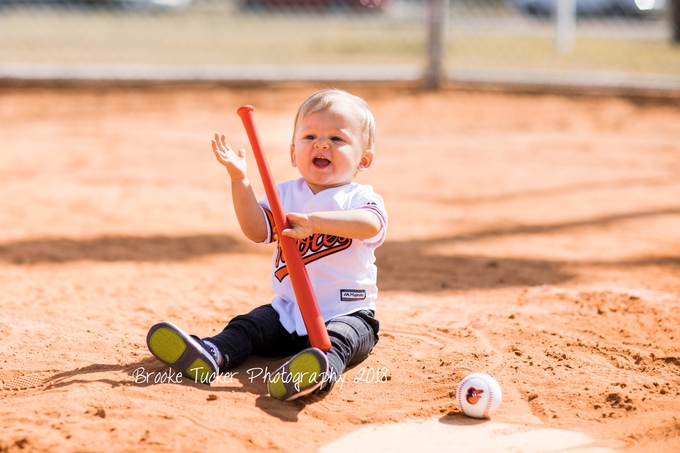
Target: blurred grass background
[
  {"x": 483, "y": 35},
  {"x": 197, "y": 37},
  {"x": 656, "y": 56}
]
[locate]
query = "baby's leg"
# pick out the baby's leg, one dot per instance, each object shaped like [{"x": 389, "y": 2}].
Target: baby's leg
[
  {"x": 256, "y": 333},
  {"x": 352, "y": 337}
]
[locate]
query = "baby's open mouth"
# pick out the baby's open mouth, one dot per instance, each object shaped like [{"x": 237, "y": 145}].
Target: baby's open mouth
[{"x": 321, "y": 162}]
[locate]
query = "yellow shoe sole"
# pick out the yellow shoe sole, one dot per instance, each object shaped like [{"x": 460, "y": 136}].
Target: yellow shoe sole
[
  {"x": 299, "y": 376},
  {"x": 184, "y": 354}
]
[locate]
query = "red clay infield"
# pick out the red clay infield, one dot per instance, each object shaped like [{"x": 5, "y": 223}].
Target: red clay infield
[{"x": 533, "y": 238}]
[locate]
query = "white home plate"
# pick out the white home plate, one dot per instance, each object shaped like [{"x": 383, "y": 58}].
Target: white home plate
[{"x": 467, "y": 436}]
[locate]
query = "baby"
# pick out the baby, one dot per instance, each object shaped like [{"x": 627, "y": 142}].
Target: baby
[{"x": 337, "y": 224}]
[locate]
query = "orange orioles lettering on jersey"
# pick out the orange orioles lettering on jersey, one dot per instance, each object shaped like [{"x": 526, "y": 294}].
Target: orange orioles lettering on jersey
[{"x": 311, "y": 249}]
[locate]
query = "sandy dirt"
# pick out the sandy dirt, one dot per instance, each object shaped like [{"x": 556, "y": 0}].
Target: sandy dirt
[{"x": 534, "y": 238}]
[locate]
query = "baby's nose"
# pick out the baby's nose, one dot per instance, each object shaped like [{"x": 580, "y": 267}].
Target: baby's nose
[{"x": 320, "y": 144}]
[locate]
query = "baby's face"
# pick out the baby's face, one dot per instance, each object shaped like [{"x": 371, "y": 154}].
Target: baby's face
[{"x": 328, "y": 148}]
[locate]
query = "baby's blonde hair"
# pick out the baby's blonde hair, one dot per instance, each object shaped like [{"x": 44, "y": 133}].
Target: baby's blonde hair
[{"x": 325, "y": 99}]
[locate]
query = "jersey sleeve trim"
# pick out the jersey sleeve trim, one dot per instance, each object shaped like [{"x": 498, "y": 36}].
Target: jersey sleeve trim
[
  {"x": 269, "y": 218},
  {"x": 379, "y": 238}
]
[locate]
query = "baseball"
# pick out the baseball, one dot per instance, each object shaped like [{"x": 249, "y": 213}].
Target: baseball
[{"x": 479, "y": 395}]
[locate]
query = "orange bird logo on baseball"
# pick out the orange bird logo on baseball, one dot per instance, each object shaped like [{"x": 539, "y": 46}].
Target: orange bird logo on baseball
[{"x": 473, "y": 395}]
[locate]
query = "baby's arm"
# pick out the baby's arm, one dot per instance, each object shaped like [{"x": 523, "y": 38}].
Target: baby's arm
[
  {"x": 353, "y": 223},
  {"x": 248, "y": 211}
]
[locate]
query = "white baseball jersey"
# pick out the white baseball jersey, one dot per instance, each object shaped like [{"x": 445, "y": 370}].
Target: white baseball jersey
[{"x": 342, "y": 270}]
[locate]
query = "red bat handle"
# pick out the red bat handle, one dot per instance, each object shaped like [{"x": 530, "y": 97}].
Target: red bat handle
[{"x": 302, "y": 286}]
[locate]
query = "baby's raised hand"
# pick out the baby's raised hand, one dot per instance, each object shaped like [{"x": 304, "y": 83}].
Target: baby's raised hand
[{"x": 234, "y": 161}]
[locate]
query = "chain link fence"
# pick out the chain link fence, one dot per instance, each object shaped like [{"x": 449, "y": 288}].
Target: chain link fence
[{"x": 595, "y": 42}]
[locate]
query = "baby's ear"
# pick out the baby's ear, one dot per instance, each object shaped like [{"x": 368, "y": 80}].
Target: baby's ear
[
  {"x": 366, "y": 160},
  {"x": 292, "y": 156}
]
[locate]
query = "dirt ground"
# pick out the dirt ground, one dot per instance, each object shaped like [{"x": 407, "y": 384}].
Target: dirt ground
[{"x": 532, "y": 237}]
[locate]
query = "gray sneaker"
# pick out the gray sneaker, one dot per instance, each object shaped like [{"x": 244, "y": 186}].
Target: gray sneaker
[
  {"x": 184, "y": 353},
  {"x": 304, "y": 373}
]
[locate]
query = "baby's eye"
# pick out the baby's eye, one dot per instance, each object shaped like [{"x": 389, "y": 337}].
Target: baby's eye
[
  {"x": 337, "y": 139},
  {"x": 308, "y": 137}
]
